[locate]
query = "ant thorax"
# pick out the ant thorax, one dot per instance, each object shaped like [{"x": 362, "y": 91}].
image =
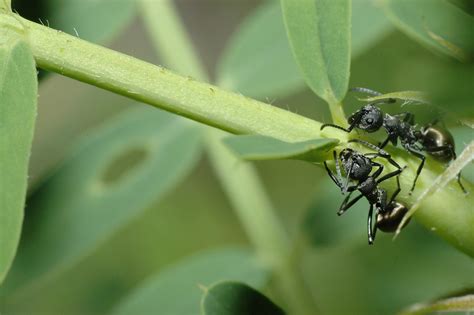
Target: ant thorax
[
  {"x": 392, "y": 124},
  {"x": 397, "y": 128},
  {"x": 369, "y": 189},
  {"x": 355, "y": 165}
]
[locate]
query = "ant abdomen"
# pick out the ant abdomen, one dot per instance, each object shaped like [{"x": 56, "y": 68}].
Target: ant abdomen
[
  {"x": 439, "y": 143},
  {"x": 389, "y": 220}
]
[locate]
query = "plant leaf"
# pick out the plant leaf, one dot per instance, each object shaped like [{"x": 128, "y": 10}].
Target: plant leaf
[
  {"x": 406, "y": 96},
  {"x": 369, "y": 25},
  {"x": 463, "y": 303},
  {"x": 176, "y": 289},
  {"x": 256, "y": 147},
  {"x": 258, "y": 61},
  {"x": 113, "y": 176},
  {"x": 323, "y": 228},
  {"x": 233, "y": 298},
  {"x": 440, "y": 25},
  {"x": 319, "y": 34},
  {"x": 92, "y": 20},
  {"x": 18, "y": 93}
]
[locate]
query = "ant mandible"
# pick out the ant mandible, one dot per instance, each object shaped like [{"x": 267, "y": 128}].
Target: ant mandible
[
  {"x": 432, "y": 139},
  {"x": 358, "y": 166}
]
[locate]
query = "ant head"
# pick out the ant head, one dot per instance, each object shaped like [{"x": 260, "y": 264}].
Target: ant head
[
  {"x": 346, "y": 154},
  {"x": 368, "y": 118},
  {"x": 355, "y": 164}
]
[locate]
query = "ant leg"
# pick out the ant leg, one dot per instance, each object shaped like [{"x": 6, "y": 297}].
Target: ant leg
[
  {"x": 370, "y": 229},
  {"x": 380, "y": 151},
  {"x": 410, "y": 118},
  {"x": 369, "y": 145},
  {"x": 383, "y": 144},
  {"x": 334, "y": 126},
  {"x": 337, "y": 127},
  {"x": 334, "y": 178},
  {"x": 388, "y": 157},
  {"x": 420, "y": 167},
  {"x": 389, "y": 175},
  {"x": 348, "y": 130},
  {"x": 453, "y": 154},
  {"x": 347, "y": 204},
  {"x": 458, "y": 176},
  {"x": 434, "y": 122},
  {"x": 397, "y": 191},
  {"x": 379, "y": 169}
]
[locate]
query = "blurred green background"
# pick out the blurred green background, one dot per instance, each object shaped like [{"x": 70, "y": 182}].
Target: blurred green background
[{"x": 194, "y": 215}]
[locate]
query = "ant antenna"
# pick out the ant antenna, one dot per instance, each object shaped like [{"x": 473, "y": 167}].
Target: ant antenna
[
  {"x": 365, "y": 90},
  {"x": 373, "y": 93}
]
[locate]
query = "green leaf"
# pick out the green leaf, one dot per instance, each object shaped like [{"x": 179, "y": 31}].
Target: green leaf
[
  {"x": 406, "y": 96},
  {"x": 369, "y": 25},
  {"x": 233, "y": 298},
  {"x": 463, "y": 303},
  {"x": 5, "y": 5},
  {"x": 465, "y": 5},
  {"x": 323, "y": 228},
  {"x": 92, "y": 20},
  {"x": 440, "y": 25},
  {"x": 18, "y": 93},
  {"x": 176, "y": 289},
  {"x": 319, "y": 34},
  {"x": 258, "y": 61},
  {"x": 256, "y": 147},
  {"x": 114, "y": 174}
]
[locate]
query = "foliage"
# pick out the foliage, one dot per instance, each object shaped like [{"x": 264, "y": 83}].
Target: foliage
[
  {"x": 18, "y": 90},
  {"x": 106, "y": 229},
  {"x": 232, "y": 298}
]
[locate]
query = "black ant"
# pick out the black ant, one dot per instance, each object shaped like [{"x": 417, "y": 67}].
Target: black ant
[
  {"x": 358, "y": 166},
  {"x": 434, "y": 140}
]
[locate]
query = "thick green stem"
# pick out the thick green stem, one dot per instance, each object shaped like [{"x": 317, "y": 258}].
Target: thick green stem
[
  {"x": 157, "y": 86},
  {"x": 239, "y": 180},
  {"x": 449, "y": 213}
]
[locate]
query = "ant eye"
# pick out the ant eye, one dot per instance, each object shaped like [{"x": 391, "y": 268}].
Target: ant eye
[{"x": 369, "y": 121}]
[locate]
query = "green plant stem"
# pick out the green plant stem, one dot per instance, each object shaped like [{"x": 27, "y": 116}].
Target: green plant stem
[
  {"x": 170, "y": 38},
  {"x": 256, "y": 213},
  {"x": 157, "y": 86},
  {"x": 239, "y": 180},
  {"x": 448, "y": 213},
  {"x": 337, "y": 113}
]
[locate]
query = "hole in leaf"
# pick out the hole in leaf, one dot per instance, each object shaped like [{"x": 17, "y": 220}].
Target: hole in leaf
[{"x": 124, "y": 164}]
